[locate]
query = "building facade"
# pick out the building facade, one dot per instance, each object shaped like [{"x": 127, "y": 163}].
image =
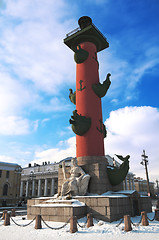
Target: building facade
[
  {"x": 141, "y": 186},
  {"x": 10, "y": 177},
  {"x": 39, "y": 180}
]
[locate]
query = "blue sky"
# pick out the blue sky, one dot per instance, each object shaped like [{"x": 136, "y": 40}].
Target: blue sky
[{"x": 37, "y": 70}]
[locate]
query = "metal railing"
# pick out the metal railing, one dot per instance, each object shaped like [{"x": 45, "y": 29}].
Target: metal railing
[
  {"x": 78, "y": 29},
  {"x": 73, "y": 32}
]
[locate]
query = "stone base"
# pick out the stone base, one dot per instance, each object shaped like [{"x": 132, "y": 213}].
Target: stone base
[
  {"x": 56, "y": 211},
  {"x": 96, "y": 167},
  {"x": 107, "y": 208}
]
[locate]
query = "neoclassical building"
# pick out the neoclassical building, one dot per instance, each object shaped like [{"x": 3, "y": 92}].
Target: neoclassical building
[
  {"x": 10, "y": 177},
  {"x": 39, "y": 180},
  {"x": 141, "y": 186}
]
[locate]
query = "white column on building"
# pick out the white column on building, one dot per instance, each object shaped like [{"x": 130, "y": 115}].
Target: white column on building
[
  {"x": 33, "y": 187},
  {"x": 133, "y": 184},
  {"x": 123, "y": 185},
  {"x": 126, "y": 184},
  {"x": 130, "y": 188},
  {"x": 45, "y": 189},
  {"x": 27, "y": 188},
  {"x": 21, "y": 188},
  {"x": 52, "y": 186},
  {"x": 39, "y": 188}
]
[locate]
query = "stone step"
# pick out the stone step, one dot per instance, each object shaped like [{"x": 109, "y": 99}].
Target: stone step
[{"x": 56, "y": 212}]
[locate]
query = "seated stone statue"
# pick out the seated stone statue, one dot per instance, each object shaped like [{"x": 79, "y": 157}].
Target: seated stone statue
[{"x": 77, "y": 183}]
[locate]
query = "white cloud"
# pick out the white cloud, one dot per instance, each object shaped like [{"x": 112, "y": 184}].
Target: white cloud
[
  {"x": 33, "y": 45},
  {"x": 35, "y": 9},
  {"x": 13, "y": 125},
  {"x": 130, "y": 130},
  {"x": 17, "y": 153},
  {"x": 13, "y": 95},
  {"x": 7, "y": 159},
  {"x": 44, "y": 121},
  {"x": 67, "y": 149},
  {"x": 33, "y": 61}
]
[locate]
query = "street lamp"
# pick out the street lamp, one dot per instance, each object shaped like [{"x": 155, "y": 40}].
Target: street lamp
[
  {"x": 144, "y": 162},
  {"x": 17, "y": 172},
  {"x": 157, "y": 187}
]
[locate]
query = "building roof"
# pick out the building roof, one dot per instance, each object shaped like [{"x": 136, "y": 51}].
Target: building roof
[{"x": 9, "y": 166}]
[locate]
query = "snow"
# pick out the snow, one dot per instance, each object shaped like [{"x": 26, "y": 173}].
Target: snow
[
  {"x": 127, "y": 191},
  {"x": 61, "y": 203},
  {"x": 101, "y": 230},
  {"x": 78, "y": 203},
  {"x": 111, "y": 194}
]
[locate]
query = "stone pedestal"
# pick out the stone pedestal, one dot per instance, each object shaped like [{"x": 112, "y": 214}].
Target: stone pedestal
[
  {"x": 107, "y": 207},
  {"x": 38, "y": 222},
  {"x": 6, "y": 219},
  {"x": 127, "y": 223},
  {"x": 3, "y": 216},
  {"x": 144, "y": 221},
  {"x": 73, "y": 224},
  {"x": 96, "y": 167},
  {"x": 157, "y": 214},
  {"x": 89, "y": 220},
  {"x": 13, "y": 213},
  {"x": 55, "y": 210}
]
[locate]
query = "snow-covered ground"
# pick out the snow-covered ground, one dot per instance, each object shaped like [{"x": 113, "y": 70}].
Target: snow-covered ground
[{"x": 100, "y": 230}]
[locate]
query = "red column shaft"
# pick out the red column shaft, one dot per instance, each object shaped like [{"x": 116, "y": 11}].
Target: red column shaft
[{"x": 89, "y": 104}]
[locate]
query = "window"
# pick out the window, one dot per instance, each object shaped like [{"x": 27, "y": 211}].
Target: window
[
  {"x": 7, "y": 174},
  {"x": 5, "y": 190},
  {"x": 0, "y": 173}
]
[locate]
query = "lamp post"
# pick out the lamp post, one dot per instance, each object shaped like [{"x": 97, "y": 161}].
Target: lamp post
[
  {"x": 144, "y": 162},
  {"x": 157, "y": 187},
  {"x": 17, "y": 172}
]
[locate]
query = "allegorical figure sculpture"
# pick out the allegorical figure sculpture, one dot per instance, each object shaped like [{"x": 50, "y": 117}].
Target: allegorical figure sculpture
[{"x": 77, "y": 183}]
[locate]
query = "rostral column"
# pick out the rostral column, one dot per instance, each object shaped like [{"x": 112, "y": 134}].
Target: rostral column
[{"x": 87, "y": 121}]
